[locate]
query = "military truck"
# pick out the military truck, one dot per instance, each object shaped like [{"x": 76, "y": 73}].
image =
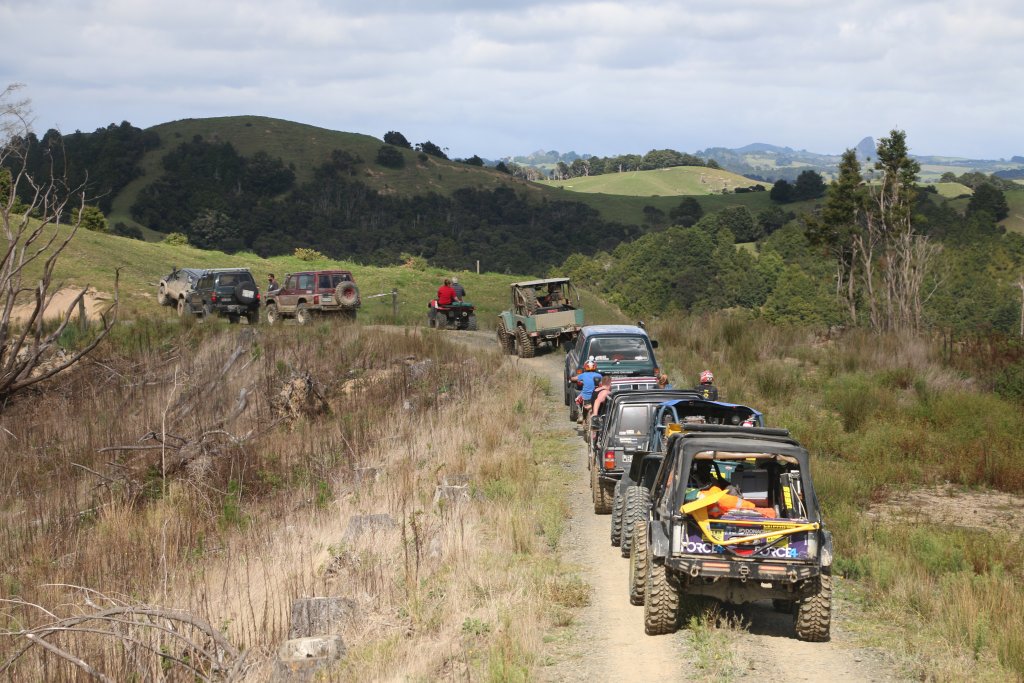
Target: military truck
[{"x": 543, "y": 313}]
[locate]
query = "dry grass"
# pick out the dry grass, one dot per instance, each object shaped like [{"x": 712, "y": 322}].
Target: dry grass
[
  {"x": 883, "y": 418},
  {"x": 451, "y": 589}
]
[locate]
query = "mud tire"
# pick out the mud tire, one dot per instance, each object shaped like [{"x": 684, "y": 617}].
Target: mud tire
[
  {"x": 347, "y": 293},
  {"x": 162, "y": 298},
  {"x": 302, "y": 315},
  {"x": 814, "y": 613},
  {"x": 253, "y": 317},
  {"x": 638, "y": 564},
  {"x": 471, "y": 323},
  {"x": 273, "y": 315},
  {"x": 524, "y": 343},
  {"x": 530, "y": 300},
  {"x": 184, "y": 310},
  {"x": 506, "y": 342},
  {"x": 637, "y": 502},
  {"x": 661, "y": 601},
  {"x": 617, "y": 505},
  {"x": 599, "y": 494}
]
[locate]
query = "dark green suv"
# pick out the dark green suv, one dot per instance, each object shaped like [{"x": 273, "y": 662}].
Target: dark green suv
[{"x": 228, "y": 292}]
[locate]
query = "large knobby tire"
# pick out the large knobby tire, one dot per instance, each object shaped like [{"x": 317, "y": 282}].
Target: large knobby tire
[
  {"x": 574, "y": 410},
  {"x": 346, "y": 293},
  {"x": 162, "y": 298},
  {"x": 506, "y": 342},
  {"x": 273, "y": 315},
  {"x": 617, "y": 505},
  {"x": 440, "y": 320},
  {"x": 814, "y": 614},
  {"x": 471, "y": 323},
  {"x": 637, "y": 502},
  {"x": 349, "y": 315},
  {"x": 524, "y": 343},
  {"x": 253, "y": 316},
  {"x": 599, "y": 493},
  {"x": 184, "y": 310},
  {"x": 661, "y": 601},
  {"x": 302, "y": 315},
  {"x": 638, "y": 564},
  {"x": 234, "y": 318}
]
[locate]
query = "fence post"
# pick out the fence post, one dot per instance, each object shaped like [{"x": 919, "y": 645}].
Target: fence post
[{"x": 394, "y": 305}]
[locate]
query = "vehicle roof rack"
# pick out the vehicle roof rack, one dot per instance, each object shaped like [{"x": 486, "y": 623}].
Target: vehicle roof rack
[{"x": 719, "y": 429}]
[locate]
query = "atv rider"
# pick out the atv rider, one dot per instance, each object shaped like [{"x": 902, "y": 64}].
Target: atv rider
[
  {"x": 445, "y": 294},
  {"x": 707, "y": 388},
  {"x": 460, "y": 291},
  {"x": 588, "y": 381}
]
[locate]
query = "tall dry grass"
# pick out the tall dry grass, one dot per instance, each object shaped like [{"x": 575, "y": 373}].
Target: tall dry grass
[
  {"x": 884, "y": 415},
  {"x": 447, "y": 589}
]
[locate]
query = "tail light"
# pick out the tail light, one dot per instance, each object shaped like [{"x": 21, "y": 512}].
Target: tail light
[
  {"x": 657, "y": 372},
  {"x": 257, "y": 296},
  {"x": 213, "y": 298},
  {"x": 316, "y": 299},
  {"x": 609, "y": 460}
]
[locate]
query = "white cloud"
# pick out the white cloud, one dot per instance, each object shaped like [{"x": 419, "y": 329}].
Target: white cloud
[{"x": 511, "y": 76}]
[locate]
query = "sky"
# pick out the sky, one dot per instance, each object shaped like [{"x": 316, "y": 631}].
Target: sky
[{"x": 501, "y": 78}]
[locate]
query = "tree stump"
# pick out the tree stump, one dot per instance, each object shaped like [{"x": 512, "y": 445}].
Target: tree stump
[
  {"x": 304, "y": 660},
  {"x": 322, "y": 616}
]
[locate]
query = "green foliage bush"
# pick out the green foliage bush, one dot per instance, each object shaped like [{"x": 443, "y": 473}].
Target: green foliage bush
[
  {"x": 305, "y": 254},
  {"x": 176, "y": 238},
  {"x": 390, "y": 157}
]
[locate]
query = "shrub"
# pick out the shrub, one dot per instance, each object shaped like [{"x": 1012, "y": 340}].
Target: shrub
[
  {"x": 304, "y": 254},
  {"x": 390, "y": 157},
  {"x": 177, "y": 239}
]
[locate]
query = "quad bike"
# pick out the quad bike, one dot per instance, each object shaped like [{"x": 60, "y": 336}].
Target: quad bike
[{"x": 458, "y": 315}]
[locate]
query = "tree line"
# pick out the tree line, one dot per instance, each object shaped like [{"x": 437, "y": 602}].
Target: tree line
[{"x": 222, "y": 200}]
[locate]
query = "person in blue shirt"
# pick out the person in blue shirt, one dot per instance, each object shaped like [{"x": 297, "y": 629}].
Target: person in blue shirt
[{"x": 588, "y": 381}]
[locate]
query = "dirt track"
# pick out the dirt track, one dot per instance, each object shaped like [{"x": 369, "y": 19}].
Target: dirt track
[{"x": 608, "y": 643}]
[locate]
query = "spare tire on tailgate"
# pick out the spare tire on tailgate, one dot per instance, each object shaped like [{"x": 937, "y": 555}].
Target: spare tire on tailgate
[
  {"x": 347, "y": 293},
  {"x": 245, "y": 292}
]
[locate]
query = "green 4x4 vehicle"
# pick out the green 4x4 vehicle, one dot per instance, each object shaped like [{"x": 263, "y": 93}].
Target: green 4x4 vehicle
[{"x": 543, "y": 312}]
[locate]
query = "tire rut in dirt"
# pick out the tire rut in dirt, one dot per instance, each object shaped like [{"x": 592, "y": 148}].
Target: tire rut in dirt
[
  {"x": 661, "y": 601},
  {"x": 637, "y": 503},
  {"x": 638, "y": 564},
  {"x": 814, "y": 614}
]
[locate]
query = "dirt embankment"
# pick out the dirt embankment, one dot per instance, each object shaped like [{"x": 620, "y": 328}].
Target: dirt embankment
[
  {"x": 607, "y": 642},
  {"x": 96, "y": 303}
]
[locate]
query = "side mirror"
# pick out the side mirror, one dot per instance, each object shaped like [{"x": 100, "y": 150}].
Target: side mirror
[
  {"x": 641, "y": 325},
  {"x": 654, "y": 343}
]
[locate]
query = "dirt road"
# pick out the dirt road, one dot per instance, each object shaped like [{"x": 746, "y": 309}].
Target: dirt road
[{"x": 607, "y": 642}]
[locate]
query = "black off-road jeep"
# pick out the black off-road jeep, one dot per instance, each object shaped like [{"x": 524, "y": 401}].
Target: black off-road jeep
[
  {"x": 734, "y": 516},
  {"x": 228, "y": 292},
  {"x": 679, "y": 412}
]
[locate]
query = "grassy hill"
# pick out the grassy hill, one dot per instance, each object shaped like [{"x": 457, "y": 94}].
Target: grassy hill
[
  {"x": 679, "y": 180},
  {"x": 306, "y": 147},
  {"x": 91, "y": 259}
]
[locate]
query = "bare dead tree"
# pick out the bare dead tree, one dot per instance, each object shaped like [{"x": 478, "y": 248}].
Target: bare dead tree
[
  {"x": 150, "y": 639},
  {"x": 34, "y": 213}
]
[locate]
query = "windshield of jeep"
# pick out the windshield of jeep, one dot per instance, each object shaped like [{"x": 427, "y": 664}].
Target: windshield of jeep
[{"x": 619, "y": 348}]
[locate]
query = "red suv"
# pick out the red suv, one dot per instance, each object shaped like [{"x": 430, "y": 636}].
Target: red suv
[{"x": 314, "y": 292}]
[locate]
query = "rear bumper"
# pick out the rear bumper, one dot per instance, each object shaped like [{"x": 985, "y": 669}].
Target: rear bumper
[{"x": 720, "y": 567}]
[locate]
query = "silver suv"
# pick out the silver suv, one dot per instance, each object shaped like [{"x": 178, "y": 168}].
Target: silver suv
[{"x": 176, "y": 285}]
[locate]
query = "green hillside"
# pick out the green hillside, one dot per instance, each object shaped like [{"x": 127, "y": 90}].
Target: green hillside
[
  {"x": 306, "y": 147},
  {"x": 675, "y": 181},
  {"x": 91, "y": 259}
]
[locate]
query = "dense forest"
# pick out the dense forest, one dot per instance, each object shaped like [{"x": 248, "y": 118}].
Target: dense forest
[
  {"x": 222, "y": 200},
  {"x": 101, "y": 163}
]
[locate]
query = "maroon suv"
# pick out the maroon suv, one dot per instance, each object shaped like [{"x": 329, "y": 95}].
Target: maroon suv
[{"x": 314, "y": 292}]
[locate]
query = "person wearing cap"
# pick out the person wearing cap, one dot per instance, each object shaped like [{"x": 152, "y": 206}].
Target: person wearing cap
[
  {"x": 460, "y": 291},
  {"x": 707, "y": 388}
]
